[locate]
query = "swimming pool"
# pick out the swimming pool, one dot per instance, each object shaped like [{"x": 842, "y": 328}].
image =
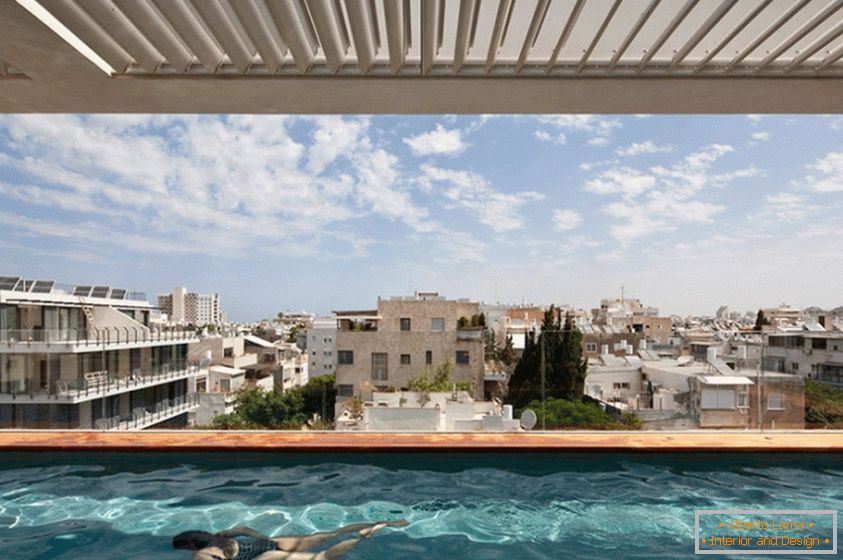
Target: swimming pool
[{"x": 538, "y": 506}]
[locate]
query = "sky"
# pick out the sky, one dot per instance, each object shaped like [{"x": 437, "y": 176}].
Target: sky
[{"x": 317, "y": 213}]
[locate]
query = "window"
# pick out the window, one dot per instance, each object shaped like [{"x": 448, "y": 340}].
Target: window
[
  {"x": 379, "y": 366},
  {"x": 794, "y": 366},
  {"x": 620, "y": 385},
  {"x": 437, "y": 325},
  {"x": 717, "y": 399},
  {"x": 462, "y": 358},
  {"x": 775, "y": 402},
  {"x": 743, "y": 398},
  {"x": 405, "y": 323},
  {"x": 428, "y": 358},
  {"x": 819, "y": 343},
  {"x": 345, "y": 357},
  {"x": 405, "y": 359},
  {"x": 345, "y": 390},
  {"x": 591, "y": 347}
]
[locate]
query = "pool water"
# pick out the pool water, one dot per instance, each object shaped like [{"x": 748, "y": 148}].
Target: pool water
[{"x": 474, "y": 506}]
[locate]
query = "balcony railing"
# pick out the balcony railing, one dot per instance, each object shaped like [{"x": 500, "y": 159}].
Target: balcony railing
[
  {"x": 100, "y": 383},
  {"x": 143, "y": 417},
  {"x": 469, "y": 333},
  {"x": 101, "y": 336}
]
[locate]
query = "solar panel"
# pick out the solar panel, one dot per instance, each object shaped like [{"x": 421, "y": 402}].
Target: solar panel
[
  {"x": 8, "y": 282},
  {"x": 100, "y": 291},
  {"x": 42, "y": 286},
  {"x": 83, "y": 291},
  {"x": 118, "y": 293},
  {"x": 25, "y": 285}
]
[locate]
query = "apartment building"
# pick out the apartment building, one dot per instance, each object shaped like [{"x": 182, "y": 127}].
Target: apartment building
[
  {"x": 386, "y": 347},
  {"x": 320, "y": 346},
  {"x": 189, "y": 308},
  {"x": 87, "y": 357},
  {"x": 631, "y": 316},
  {"x": 813, "y": 355}
]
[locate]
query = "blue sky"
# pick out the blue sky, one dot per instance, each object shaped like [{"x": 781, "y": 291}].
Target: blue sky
[{"x": 319, "y": 213}]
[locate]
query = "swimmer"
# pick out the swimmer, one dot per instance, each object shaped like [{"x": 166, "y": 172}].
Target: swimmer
[{"x": 243, "y": 543}]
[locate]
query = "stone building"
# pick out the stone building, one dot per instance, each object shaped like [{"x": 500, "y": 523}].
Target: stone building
[{"x": 383, "y": 349}]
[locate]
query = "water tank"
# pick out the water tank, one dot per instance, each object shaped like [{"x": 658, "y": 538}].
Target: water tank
[
  {"x": 507, "y": 412},
  {"x": 711, "y": 354}
]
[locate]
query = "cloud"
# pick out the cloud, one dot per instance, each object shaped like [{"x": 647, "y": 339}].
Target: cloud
[
  {"x": 621, "y": 180},
  {"x": 205, "y": 184},
  {"x": 544, "y": 136},
  {"x": 470, "y": 191},
  {"x": 663, "y": 198},
  {"x": 438, "y": 141},
  {"x": 639, "y": 148},
  {"x": 564, "y": 220},
  {"x": 784, "y": 207},
  {"x": 829, "y": 173},
  {"x": 761, "y": 136},
  {"x": 598, "y": 129}
]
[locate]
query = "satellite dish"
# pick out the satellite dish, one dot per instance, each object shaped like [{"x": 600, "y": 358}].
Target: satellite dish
[{"x": 528, "y": 419}]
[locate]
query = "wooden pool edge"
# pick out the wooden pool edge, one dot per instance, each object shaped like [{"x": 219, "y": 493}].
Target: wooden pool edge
[{"x": 386, "y": 442}]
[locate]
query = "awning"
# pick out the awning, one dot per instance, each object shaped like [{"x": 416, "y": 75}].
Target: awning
[
  {"x": 225, "y": 370},
  {"x": 726, "y": 380}
]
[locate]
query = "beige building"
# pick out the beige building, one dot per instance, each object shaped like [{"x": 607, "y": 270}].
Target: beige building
[
  {"x": 384, "y": 348},
  {"x": 190, "y": 308}
]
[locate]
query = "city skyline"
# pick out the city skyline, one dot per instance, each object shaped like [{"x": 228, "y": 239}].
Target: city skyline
[{"x": 321, "y": 213}]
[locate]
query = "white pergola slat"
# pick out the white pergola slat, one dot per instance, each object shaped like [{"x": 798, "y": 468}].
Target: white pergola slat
[{"x": 710, "y": 38}]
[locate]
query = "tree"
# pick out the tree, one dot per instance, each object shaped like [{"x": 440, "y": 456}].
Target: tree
[
  {"x": 524, "y": 385},
  {"x": 507, "y": 353},
  {"x": 258, "y": 331},
  {"x": 565, "y": 366},
  {"x": 490, "y": 348},
  {"x": 440, "y": 382},
  {"x": 561, "y": 414},
  {"x": 318, "y": 397},
  {"x": 760, "y": 321},
  {"x": 294, "y": 331}
]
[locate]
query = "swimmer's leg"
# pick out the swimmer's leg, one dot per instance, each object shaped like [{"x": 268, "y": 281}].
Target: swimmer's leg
[
  {"x": 297, "y": 543},
  {"x": 333, "y": 553}
]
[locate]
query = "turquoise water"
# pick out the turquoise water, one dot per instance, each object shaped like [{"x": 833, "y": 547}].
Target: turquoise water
[{"x": 540, "y": 506}]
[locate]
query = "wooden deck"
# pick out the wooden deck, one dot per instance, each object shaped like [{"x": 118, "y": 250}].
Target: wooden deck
[{"x": 188, "y": 441}]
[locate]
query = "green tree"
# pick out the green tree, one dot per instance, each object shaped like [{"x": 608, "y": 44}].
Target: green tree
[
  {"x": 490, "y": 348},
  {"x": 524, "y": 385},
  {"x": 507, "y": 353},
  {"x": 565, "y": 366},
  {"x": 294, "y": 331},
  {"x": 561, "y": 414},
  {"x": 439, "y": 382},
  {"x": 258, "y": 331},
  {"x": 270, "y": 409},
  {"x": 318, "y": 397}
]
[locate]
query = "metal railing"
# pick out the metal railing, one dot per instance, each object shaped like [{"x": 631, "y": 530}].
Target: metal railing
[
  {"x": 100, "y": 383},
  {"x": 99, "y": 336},
  {"x": 143, "y": 417}
]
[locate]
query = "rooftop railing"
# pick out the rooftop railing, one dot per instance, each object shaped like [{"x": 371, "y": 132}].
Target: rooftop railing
[
  {"x": 100, "y": 383},
  {"x": 99, "y": 336},
  {"x": 143, "y": 417}
]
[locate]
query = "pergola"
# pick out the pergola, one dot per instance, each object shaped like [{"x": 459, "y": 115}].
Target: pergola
[{"x": 422, "y": 56}]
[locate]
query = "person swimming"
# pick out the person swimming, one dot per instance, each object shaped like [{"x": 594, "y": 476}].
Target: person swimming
[{"x": 243, "y": 543}]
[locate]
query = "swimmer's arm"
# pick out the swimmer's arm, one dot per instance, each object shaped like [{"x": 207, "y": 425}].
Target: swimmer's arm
[{"x": 242, "y": 531}]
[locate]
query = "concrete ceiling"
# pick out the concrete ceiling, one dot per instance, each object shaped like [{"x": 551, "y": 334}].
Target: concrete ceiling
[{"x": 422, "y": 56}]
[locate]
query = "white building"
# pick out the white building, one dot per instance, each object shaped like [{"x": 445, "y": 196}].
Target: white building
[
  {"x": 87, "y": 357},
  {"x": 321, "y": 346},
  {"x": 189, "y": 308},
  {"x": 408, "y": 411}
]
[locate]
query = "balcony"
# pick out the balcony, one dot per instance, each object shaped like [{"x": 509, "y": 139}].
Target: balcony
[
  {"x": 94, "y": 385},
  {"x": 470, "y": 333},
  {"x": 142, "y": 417},
  {"x": 74, "y": 340}
]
